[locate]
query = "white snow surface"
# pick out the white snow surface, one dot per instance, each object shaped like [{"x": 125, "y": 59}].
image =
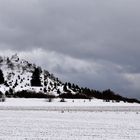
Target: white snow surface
[
  {"x": 68, "y": 105},
  {"x": 56, "y": 102},
  {"x": 44, "y": 125},
  {"x": 38, "y": 119}
]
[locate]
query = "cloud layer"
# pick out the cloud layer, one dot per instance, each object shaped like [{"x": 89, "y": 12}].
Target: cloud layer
[{"x": 93, "y": 43}]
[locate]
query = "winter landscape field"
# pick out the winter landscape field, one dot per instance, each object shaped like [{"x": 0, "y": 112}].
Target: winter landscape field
[
  {"x": 38, "y": 119},
  {"x": 69, "y": 70}
]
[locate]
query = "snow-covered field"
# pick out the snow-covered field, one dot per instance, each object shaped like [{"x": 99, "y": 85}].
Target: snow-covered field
[
  {"x": 37, "y": 119},
  {"x": 69, "y": 105}
]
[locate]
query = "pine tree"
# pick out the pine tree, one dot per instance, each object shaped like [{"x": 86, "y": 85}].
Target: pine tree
[
  {"x": 1, "y": 77},
  {"x": 65, "y": 87},
  {"x": 74, "y": 87},
  {"x": 69, "y": 85},
  {"x": 58, "y": 91},
  {"x": 35, "y": 81}
]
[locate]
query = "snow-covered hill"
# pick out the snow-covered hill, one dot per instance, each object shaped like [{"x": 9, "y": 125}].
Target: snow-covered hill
[
  {"x": 19, "y": 78},
  {"x": 18, "y": 74}
]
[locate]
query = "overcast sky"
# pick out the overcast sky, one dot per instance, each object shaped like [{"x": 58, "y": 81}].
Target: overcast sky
[{"x": 93, "y": 43}]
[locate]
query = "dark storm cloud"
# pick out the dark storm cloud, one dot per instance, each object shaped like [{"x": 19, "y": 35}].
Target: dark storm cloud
[{"x": 100, "y": 37}]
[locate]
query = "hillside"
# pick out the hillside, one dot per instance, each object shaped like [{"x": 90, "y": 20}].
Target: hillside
[
  {"x": 19, "y": 78},
  {"x": 18, "y": 74}
]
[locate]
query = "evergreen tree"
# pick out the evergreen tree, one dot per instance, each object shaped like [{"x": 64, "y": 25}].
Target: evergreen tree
[
  {"x": 69, "y": 85},
  {"x": 65, "y": 87},
  {"x": 45, "y": 83},
  {"x": 74, "y": 87},
  {"x": 77, "y": 87},
  {"x": 1, "y": 77},
  {"x": 45, "y": 90},
  {"x": 6, "y": 84},
  {"x": 58, "y": 91},
  {"x": 35, "y": 81},
  {"x": 11, "y": 92}
]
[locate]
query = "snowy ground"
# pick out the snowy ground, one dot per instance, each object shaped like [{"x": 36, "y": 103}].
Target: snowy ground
[
  {"x": 36, "y": 119},
  {"x": 69, "y": 105}
]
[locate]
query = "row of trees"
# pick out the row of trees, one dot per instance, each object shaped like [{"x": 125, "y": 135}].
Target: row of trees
[
  {"x": 67, "y": 88},
  {"x": 87, "y": 93}
]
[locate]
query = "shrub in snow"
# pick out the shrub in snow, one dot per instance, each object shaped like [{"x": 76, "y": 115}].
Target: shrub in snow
[
  {"x": 117, "y": 101},
  {"x": 62, "y": 100},
  {"x": 62, "y": 111},
  {"x": 58, "y": 91},
  {"x": 2, "y": 97},
  {"x": 9, "y": 93},
  {"x": 50, "y": 100}
]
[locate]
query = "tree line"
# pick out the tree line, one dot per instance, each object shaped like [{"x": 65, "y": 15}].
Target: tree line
[{"x": 69, "y": 91}]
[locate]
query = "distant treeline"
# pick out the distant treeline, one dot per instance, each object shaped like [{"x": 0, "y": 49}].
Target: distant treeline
[{"x": 106, "y": 95}]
